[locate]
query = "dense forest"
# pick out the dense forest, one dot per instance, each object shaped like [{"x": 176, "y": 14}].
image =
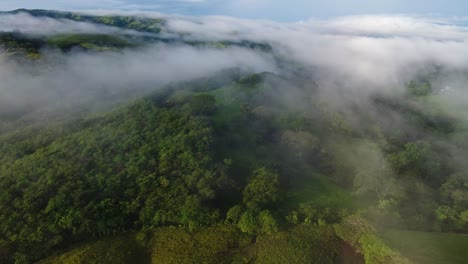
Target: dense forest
[
  {"x": 196, "y": 156},
  {"x": 229, "y": 168}
]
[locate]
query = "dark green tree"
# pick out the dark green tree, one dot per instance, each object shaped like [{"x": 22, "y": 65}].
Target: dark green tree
[{"x": 263, "y": 190}]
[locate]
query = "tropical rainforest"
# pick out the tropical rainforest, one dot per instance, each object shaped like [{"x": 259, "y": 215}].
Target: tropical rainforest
[{"x": 140, "y": 139}]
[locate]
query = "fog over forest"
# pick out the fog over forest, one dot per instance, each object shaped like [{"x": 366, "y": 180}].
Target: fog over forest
[
  {"x": 362, "y": 53},
  {"x": 147, "y": 121}
]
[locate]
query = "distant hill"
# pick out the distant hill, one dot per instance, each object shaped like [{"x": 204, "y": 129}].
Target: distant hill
[
  {"x": 149, "y": 28},
  {"x": 149, "y": 25}
]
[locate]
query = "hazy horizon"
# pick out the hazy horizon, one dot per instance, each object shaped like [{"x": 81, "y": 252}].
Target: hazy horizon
[{"x": 295, "y": 10}]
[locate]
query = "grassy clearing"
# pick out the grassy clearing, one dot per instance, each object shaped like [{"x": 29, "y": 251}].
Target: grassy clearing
[
  {"x": 117, "y": 250},
  {"x": 429, "y": 248},
  {"x": 322, "y": 192},
  {"x": 211, "y": 245},
  {"x": 301, "y": 244}
]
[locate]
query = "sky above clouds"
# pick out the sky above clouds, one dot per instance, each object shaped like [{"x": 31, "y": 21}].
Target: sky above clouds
[{"x": 281, "y": 10}]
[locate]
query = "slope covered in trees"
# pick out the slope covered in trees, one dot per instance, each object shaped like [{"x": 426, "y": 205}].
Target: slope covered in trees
[
  {"x": 231, "y": 168},
  {"x": 195, "y": 155}
]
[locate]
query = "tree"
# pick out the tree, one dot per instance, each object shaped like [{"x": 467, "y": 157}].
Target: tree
[
  {"x": 447, "y": 216},
  {"x": 248, "y": 222},
  {"x": 373, "y": 174},
  {"x": 263, "y": 189},
  {"x": 420, "y": 89},
  {"x": 268, "y": 223},
  {"x": 234, "y": 214}
]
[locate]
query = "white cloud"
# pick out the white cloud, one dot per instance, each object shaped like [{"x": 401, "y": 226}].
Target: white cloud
[
  {"x": 359, "y": 52},
  {"x": 377, "y": 50}
]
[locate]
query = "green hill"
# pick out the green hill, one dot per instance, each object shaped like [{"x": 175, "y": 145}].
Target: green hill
[
  {"x": 149, "y": 25},
  {"x": 141, "y": 31},
  {"x": 232, "y": 168},
  {"x": 87, "y": 41},
  {"x": 191, "y": 155},
  {"x": 180, "y": 157}
]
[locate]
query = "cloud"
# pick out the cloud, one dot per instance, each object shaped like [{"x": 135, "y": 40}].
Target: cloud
[
  {"x": 396, "y": 26},
  {"x": 356, "y": 54},
  {"x": 67, "y": 82},
  {"x": 375, "y": 50}
]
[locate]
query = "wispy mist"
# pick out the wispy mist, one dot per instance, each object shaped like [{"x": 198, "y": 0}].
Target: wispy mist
[{"x": 357, "y": 55}]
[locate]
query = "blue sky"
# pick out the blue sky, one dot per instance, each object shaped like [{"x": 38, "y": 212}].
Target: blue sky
[{"x": 282, "y": 10}]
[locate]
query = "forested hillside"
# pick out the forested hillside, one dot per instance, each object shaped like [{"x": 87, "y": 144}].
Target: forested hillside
[
  {"x": 206, "y": 155},
  {"x": 121, "y": 162}
]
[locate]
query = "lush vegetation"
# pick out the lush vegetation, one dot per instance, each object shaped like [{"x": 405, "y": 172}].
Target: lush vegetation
[
  {"x": 194, "y": 157},
  {"x": 231, "y": 169},
  {"x": 127, "y": 22},
  {"x": 17, "y": 42},
  {"x": 87, "y": 41},
  {"x": 32, "y": 46}
]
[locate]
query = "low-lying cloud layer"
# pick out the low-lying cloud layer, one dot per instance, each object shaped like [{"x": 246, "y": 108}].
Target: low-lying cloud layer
[
  {"x": 350, "y": 54},
  {"x": 377, "y": 50},
  {"x": 79, "y": 78}
]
